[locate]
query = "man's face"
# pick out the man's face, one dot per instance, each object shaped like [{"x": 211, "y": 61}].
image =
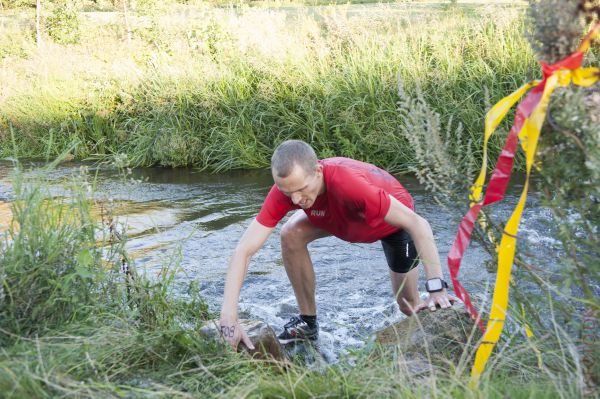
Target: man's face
[{"x": 301, "y": 187}]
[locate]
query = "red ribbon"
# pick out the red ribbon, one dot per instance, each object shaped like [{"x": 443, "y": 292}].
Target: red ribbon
[{"x": 500, "y": 177}]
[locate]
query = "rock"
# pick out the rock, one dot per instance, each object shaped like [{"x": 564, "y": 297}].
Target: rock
[
  {"x": 444, "y": 334},
  {"x": 308, "y": 354},
  {"x": 263, "y": 338}
]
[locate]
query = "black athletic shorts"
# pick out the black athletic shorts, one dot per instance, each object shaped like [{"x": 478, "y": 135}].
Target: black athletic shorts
[{"x": 400, "y": 252}]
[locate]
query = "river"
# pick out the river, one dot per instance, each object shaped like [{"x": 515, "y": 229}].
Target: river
[{"x": 192, "y": 220}]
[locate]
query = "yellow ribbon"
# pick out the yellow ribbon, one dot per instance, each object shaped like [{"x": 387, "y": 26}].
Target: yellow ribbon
[{"x": 528, "y": 137}]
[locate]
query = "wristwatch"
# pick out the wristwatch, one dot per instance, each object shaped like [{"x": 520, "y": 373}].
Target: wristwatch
[{"x": 435, "y": 285}]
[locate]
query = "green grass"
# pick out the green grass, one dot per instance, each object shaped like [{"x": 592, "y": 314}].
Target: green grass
[{"x": 219, "y": 89}]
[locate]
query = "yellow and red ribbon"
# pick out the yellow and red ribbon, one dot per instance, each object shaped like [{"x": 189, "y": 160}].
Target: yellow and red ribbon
[{"x": 529, "y": 117}]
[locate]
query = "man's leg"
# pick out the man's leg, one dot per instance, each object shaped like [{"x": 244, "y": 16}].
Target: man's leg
[
  {"x": 296, "y": 234},
  {"x": 403, "y": 260},
  {"x": 404, "y": 286}
]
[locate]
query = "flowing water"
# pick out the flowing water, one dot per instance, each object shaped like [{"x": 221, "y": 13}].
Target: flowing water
[{"x": 194, "y": 219}]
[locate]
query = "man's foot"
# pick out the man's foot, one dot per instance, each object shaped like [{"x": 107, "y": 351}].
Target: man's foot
[{"x": 298, "y": 330}]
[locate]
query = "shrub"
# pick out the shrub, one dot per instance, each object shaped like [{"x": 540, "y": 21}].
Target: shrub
[
  {"x": 63, "y": 24},
  {"x": 569, "y": 186},
  {"x": 50, "y": 268}
]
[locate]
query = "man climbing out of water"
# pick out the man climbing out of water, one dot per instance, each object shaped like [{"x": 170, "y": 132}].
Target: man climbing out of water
[{"x": 352, "y": 200}]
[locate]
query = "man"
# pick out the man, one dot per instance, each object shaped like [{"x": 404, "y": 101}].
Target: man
[{"x": 349, "y": 199}]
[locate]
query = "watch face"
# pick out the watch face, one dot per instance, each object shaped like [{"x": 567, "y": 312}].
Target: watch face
[{"x": 434, "y": 284}]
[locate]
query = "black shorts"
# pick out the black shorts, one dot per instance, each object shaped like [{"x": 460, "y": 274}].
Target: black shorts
[{"x": 400, "y": 252}]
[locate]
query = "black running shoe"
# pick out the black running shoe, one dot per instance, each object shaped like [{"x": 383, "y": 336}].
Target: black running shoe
[{"x": 298, "y": 330}]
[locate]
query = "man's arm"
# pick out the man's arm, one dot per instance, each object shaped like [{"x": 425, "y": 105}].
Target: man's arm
[
  {"x": 252, "y": 240},
  {"x": 420, "y": 231}
]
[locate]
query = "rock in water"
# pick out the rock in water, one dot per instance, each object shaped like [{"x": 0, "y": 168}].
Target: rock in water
[
  {"x": 445, "y": 334},
  {"x": 263, "y": 338},
  {"x": 306, "y": 353}
]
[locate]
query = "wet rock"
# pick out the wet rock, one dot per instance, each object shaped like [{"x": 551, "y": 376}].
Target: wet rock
[
  {"x": 444, "y": 334},
  {"x": 263, "y": 338},
  {"x": 307, "y": 353}
]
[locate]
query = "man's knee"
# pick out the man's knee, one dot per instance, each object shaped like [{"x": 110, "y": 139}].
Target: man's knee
[{"x": 292, "y": 236}]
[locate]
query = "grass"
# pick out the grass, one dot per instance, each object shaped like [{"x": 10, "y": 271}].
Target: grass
[{"x": 220, "y": 88}]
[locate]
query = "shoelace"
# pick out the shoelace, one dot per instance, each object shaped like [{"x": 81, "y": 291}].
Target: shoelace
[{"x": 294, "y": 321}]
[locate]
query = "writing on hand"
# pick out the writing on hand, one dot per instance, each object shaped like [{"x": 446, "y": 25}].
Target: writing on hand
[{"x": 228, "y": 331}]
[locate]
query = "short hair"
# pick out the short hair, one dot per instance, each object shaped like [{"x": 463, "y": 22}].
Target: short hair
[{"x": 290, "y": 153}]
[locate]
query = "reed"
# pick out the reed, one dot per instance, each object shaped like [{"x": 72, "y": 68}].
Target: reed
[{"x": 219, "y": 88}]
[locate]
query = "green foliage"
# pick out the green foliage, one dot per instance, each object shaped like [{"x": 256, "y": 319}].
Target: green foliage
[
  {"x": 445, "y": 162},
  {"x": 15, "y": 44},
  {"x": 569, "y": 156},
  {"x": 18, "y": 3},
  {"x": 555, "y": 28},
  {"x": 60, "y": 264},
  {"x": 112, "y": 357},
  {"x": 222, "y": 92},
  {"x": 63, "y": 24},
  {"x": 49, "y": 268},
  {"x": 568, "y": 160}
]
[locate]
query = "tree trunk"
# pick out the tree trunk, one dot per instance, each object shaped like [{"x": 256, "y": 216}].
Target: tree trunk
[
  {"x": 126, "y": 17},
  {"x": 38, "y": 14}
]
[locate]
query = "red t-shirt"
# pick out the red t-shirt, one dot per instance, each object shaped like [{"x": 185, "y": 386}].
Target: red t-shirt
[{"x": 353, "y": 205}]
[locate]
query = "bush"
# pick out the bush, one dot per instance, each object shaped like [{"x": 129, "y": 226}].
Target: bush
[
  {"x": 63, "y": 25},
  {"x": 50, "y": 268},
  {"x": 569, "y": 186}
]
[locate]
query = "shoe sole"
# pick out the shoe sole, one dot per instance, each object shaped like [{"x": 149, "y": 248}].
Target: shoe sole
[{"x": 290, "y": 340}]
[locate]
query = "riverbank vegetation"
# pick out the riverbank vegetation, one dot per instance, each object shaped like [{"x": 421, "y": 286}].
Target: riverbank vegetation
[
  {"x": 565, "y": 285},
  {"x": 218, "y": 88},
  {"x": 76, "y": 320}
]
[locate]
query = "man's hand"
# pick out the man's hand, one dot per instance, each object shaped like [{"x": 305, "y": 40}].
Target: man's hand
[
  {"x": 233, "y": 333},
  {"x": 255, "y": 236},
  {"x": 442, "y": 299}
]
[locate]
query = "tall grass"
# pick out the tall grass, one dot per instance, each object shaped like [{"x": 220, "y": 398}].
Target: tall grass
[
  {"x": 219, "y": 89},
  {"x": 48, "y": 268}
]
